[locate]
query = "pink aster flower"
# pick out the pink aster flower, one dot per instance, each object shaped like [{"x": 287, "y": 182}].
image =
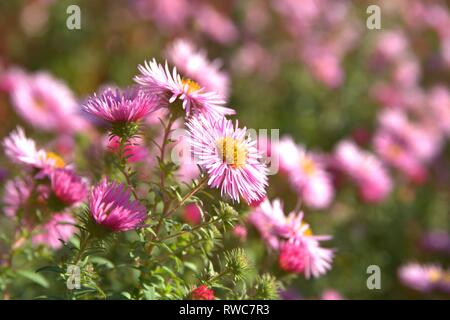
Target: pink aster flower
[
  {"x": 305, "y": 256},
  {"x": 67, "y": 186},
  {"x": 111, "y": 207},
  {"x": 331, "y": 294},
  {"x": 59, "y": 228},
  {"x": 46, "y": 103},
  {"x": 230, "y": 158},
  {"x": 196, "y": 66},
  {"x": 268, "y": 218},
  {"x": 159, "y": 81},
  {"x": 306, "y": 174},
  {"x": 215, "y": 24},
  {"x": 399, "y": 157},
  {"x": 115, "y": 106},
  {"x": 22, "y": 150},
  {"x": 365, "y": 169},
  {"x": 16, "y": 194},
  {"x": 420, "y": 277}
]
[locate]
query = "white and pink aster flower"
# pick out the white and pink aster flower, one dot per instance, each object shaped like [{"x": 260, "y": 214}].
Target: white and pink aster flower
[
  {"x": 59, "y": 229},
  {"x": 22, "y": 150},
  {"x": 195, "y": 65},
  {"x": 110, "y": 206},
  {"x": 306, "y": 174},
  {"x": 230, "y": 158},
  {"x": 169, "y": 86},
  {"x": 269, "y": 219}
]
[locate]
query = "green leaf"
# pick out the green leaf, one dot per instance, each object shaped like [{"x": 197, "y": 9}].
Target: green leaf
[{"x": 35, "y": 277}]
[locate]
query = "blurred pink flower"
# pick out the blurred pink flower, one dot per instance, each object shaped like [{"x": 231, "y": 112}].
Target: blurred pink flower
[
  {"x": 114, "y": 106},
  {"x": 439, "y": 102},
  {"x": 331, "y": 294},
  {"x": 110, "y": 206},
  {"x": 305, "y": 173},
  {"x": 168, "y": 14},
  {"x": 215, "y": 24},
  {"x": 45, "y": 102},
  {"x": 159, "y": 81},
  {"x": 16, "y": 194},
  {"x": 420, "y": 277},
  {"x": 365, "y": 169},
  {"x": 22, "y": 150},
  {"x": 195, "y": 65},
  {"x": 240, "y": 232},
  {"x": 135, "y": 150},
  {"x": 59, "y": 228},
  {"x": 67, "y": 186},
  {"x": 230, "y": 158}
]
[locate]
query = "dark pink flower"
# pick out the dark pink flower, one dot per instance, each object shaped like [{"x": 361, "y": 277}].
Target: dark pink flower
[{"x": 111, "y": 207}]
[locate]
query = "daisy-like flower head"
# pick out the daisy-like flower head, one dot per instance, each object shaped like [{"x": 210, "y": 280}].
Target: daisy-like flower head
[
  {"x": 159, "y": 81},
  {"x": 230, "y": 158},
  {"x": 23, "y": 150},
  {"x": 111, "y": 207},
  {"x": 306, "y": 174},
  {"x": 115, "y": 106},
  {"x": 305, "y": 256},
  {"x": 45, "y": 102},
  {"x": 195, "y": 64},
  {"x": 269, "y": 219},
  {"x": 423, "y": 278},
  {"x": 67, "y": 186},
  {"x": 59, "y": 228}
]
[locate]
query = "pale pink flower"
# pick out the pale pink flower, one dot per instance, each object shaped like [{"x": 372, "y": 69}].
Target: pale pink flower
[
  {"x": 423, "y": 278},
  {"x": 215, "y": 24},
  {"x": 59, "y": 229},
  {"x": 305, "y": 173},
  {"x": 391, "y": 45},
  {"x": 110, "y": 206},
  {"x": 230, "y": 158},
  {"x": 46, "y": 103},
  {"x": 195, "y": 65},
  {"x": 16, "y": 194},
  {"x": 168, "y": 14},
  {"x": 439, "y": 102},
  {"x": 168, "y": 86},
  {"x": 22, "y": 150},
  {"x": 396, "y": 155},
  {"x": 268, "y": 218},
  {"x": 365, "y": 169},
  {"x": 331, "y": 294},
  {"x": 114, "y": 106}
]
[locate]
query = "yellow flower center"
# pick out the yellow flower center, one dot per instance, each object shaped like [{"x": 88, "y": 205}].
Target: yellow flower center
[
  {"x": 59, "y": 162},
  {"x": 434, "y": 275},
  {"x": 192, "y": 85},
  {"x": 308, "y": 166},
  {"x": 308, "y": 231},
  {"x": 232, "y": 151}
]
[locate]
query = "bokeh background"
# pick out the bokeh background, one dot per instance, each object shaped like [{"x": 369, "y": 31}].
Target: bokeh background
[{"x": 309, "y": 68}]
